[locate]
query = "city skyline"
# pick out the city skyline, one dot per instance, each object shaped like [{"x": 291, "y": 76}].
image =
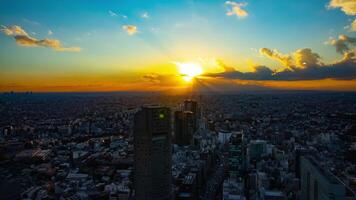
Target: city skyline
[{"x": 165, "y": 46}]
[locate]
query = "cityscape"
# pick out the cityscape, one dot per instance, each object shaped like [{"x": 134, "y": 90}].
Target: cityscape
[
  {"x": 178, "y": 100},
  {"x": 116, "y": 146}
]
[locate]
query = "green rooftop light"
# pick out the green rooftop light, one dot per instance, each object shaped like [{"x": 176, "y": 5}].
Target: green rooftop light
[{"x": 161, "y": 115}]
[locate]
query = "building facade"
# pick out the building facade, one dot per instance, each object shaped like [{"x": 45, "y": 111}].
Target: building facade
[
  {"x": 183, "y": 127},
  {"x": 153, "y": 154},
  {"x": 318, "y": 184}
]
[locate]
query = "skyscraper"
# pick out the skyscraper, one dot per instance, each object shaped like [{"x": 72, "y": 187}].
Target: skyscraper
[
  {"x": 183, "y": 127},
  {"x": 192, "y": 106},
  {"x": 152, "y": 148},
  {"x": 236, "y": 155}
]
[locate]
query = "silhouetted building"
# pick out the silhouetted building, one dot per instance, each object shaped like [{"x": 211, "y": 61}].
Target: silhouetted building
[
  {"x": 236, "y": 155},
  {"x": 152, "y": 147},
  {"x": 192, "y": 106},
  {"x": 183, "y": 127}
]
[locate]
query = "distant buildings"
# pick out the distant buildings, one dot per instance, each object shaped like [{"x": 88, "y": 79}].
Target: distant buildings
[{"x": 152, "y": 149}]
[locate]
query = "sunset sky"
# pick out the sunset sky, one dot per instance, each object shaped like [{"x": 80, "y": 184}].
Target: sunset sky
[{"x": 141, "y": 45}]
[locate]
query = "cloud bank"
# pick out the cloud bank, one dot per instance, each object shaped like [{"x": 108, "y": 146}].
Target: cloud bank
[
  {"x": 23, "y": 39},
  {"x": 303, "y": 64}
]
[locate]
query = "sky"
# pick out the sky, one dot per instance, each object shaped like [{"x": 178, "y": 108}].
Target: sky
[{"x": 141, "y": 45}]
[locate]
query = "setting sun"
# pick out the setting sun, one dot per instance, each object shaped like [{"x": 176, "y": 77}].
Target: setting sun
[{"x": 189, "y": 70}]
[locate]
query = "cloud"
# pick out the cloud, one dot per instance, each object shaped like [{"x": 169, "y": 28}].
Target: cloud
[
  {"x": 13, "y": 30},
  {"x": 300, "y": 58},
  {"x": 225, "y": 67},
  {"x": 343, "y": 43},
  {"x": 353, "y": 26},
  {"x": 115, "y": 14},
  {"x": 235, "y": 8},
  {"x": 112, "y": 13},
  {"x": 145, "y": 15},
  {"x": 153, "y": 78},
  {"x": 31, "y": 22},
  {"x": 23, "y": 39},
  {"x": 166, "y": 80},
  {"x": 50, "y": 32},
  {"x": 302, "y": 65},
  {"x": 347, "y": 6},
  {"x": 285, "y": 60},
  {"x": 130, "y": 29},
  {"x": 341, "y": 71},
  {"x": 306, "y": 57}
]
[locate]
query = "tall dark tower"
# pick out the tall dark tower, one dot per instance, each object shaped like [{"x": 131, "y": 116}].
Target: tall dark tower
[
  {"x": 152, "y": 148},
  {"x": 192, "y": 106},
  {"x": 183, "y": 127},
  {"x": 236, "y": 155}
]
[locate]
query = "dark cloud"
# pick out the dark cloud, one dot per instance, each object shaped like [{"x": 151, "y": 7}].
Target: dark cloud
[
  {"x": 343, "y": 43},
  {"x": 311, "y": 69},
  {"x": 225, "y": 67},
  {"x": 161, "y": 79}
]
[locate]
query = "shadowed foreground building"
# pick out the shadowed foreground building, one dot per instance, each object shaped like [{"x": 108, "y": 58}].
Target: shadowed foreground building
[
  {"x": 152, "y": 146},
  {"x": 318, "y": 184}
]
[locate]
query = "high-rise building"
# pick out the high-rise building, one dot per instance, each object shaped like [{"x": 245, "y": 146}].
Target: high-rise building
[
  {"x": 192, "y": 106},
  {"x": 317, "y": 183},
  {"x": 183, "y": 127},
  {"x": 257, "y": 149},
  {"x": 236, "y": 155},
  {"x": 152, "y": 149}
]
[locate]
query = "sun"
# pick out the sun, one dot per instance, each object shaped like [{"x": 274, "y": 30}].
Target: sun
[{"x": 189, "y": 70}]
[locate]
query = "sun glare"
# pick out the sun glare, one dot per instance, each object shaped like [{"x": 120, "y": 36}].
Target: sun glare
[{"x": 189, "y": 70}]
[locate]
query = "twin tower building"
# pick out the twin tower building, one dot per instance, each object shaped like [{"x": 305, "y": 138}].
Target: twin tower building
[{"x": 152, "y": 148}]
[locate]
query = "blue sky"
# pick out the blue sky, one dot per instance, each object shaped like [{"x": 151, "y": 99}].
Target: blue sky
[{"x": 175, "y": 30}]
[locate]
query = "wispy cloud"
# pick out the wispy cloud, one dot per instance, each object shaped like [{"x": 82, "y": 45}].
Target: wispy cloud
[
  {"x": 235, "y": 8},
  {"x": 31, "y": 22},
  {"x": 50, "y": 32},
  {"x": 112, "y": 13},
  {"x": 23, "y": 39},
  {"x": 116, "y": 14},
  {"x": 145, "y": 15},
  {"x": 130, "y": 29}
]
